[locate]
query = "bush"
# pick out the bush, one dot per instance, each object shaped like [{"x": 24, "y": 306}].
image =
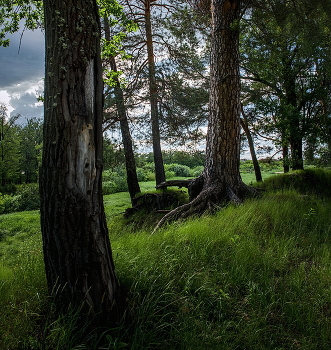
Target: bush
[
  {"x": 169, "y": 174},
  {"x": 150, "y": 176},
  {"x": 324, "y": 158},
  {"x": 8, "y": 189},
  {"x": 109, "y": 187},
  {"x": 246, "y": 166},
  {"x": 309, "y": 181},
  {"x": 142, "y": 175},
  {"x": 178, "y": 169},
  {"x": 145, "y": 174},
  {"x": 114, "y": 181},
  {"x": 197, "y": 171},
  {"x": 26, "y": 198}
]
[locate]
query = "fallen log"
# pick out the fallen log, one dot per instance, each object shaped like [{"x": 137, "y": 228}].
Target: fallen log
[{"x": 178, "y": 183}]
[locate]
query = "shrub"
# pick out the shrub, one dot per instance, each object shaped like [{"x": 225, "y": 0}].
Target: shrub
[
  {"x": 150, "y": 176},
  {"x": 324, "y": 158},
  {"x": 178, "y": 169},
  {"x": 309, "y": 181},
  {"x": 197, "y": 171},
  {"x": 169, "y": 174},
  {"x": 246, "y": 166},
  {"x": 8, "y": 189},
  {"x": 26, "y": 198},
  {"x": 6, "y": 203},
  {"x": 109, "y": 187},
  {"x": 141, "y": 174},
  {"x": 149, "y": 167},
  {"x": 114, "y": 181}
]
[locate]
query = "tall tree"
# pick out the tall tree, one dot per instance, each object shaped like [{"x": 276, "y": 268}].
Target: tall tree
[
  {"x": 166, "y": 65},
  {"x": 141, "y": 12},
  {"x": 153, "y": 95},
  {"x": 77, "y": 252},
  {"x": 221, "y": 181},
  {"x": 9, "y": 148},
  {"x": 31, "y": 148},
  {"x": 130, "y": 163},
  {"x": 284, "y": 45}
]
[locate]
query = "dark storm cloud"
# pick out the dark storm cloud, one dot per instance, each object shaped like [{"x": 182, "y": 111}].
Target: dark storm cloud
[
  {"x": 27, "y": 106},
  {"x": 23, "y": 60}
]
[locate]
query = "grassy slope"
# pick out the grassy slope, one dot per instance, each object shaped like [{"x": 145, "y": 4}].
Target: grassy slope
[{"x": 252, "y": 277}]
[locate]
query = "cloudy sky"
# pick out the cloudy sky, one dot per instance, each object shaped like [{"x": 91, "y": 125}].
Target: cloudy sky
[{"x": 21, "y": 74}]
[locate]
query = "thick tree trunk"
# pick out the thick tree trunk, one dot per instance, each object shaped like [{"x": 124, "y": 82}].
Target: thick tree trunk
[
  {"x": 158, "y": 159},
  {"x": 221, "y": 181},
  {"x": 296, "y": 152},
  {"x": 77, "y": 253},
  {"x": 130, "y": 163},
  {"x": 286, "y": 165}
]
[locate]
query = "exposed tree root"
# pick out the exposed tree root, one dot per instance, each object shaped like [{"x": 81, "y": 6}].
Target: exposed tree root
[
  {"x": 178, "y": 183},
  {"x": 152, "y": 201},
  {"x": 208, "y": 201}
]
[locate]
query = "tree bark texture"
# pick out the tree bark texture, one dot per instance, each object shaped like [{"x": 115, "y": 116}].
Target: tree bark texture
[
  {"x": 158, "y": 159},
  {"x": 77, "y": 252},
  {"x": 221, "y": 181},
  {"x": 223, "y": 135}
]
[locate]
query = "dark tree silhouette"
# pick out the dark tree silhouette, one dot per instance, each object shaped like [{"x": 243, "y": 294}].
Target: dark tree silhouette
[{"x": 77, "y": 253}]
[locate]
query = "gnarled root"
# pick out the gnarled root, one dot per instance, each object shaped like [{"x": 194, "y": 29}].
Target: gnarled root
[{"x": 208, "y": 201}]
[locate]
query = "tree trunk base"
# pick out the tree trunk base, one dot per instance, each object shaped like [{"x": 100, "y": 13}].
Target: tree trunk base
[{"x": 207, "y": 200}]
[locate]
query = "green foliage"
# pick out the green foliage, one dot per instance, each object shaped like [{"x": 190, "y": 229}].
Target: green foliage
[
  {"x": 9, "y": 147},
  {"x": 114, "y": 181},
  {"x": 146, "y": 172},
  {"x": 178, "y": 169},
  {"x": 13, "y": 12},
  {"x": 31, "y": 136},
  {"x": 307, "y": 182},
  {"x": 26, "y": 198},
  {"x": 113, "y": 155},
  {"x": 191, "y": 159},
  {"x": 284, "y": 52},
  {"x": 266, "y": 165},
  {"x": 323, "y": 158},
  {"x": 197, "y": 171},
  {"x": 8, "y": 189}
]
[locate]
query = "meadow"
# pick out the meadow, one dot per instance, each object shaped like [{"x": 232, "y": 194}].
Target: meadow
[{"x": 256, "y": 276}]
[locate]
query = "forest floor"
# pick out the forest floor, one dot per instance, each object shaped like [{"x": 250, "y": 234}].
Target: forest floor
[{"x": 254, "y": 277}]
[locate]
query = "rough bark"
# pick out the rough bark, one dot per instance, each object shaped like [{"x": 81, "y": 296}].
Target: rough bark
[
  {"x": 221, "y": 181},
  {"x": 130, "y": 163},
  {"x": 286, "y": 165},
  {"x": 158, "y": 159},
  {"x": 77, "y": 252}
]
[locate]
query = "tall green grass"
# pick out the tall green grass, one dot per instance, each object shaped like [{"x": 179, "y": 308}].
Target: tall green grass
[
  {"x": 22, "y": 279},
  {"x": 253, "y": 277}
]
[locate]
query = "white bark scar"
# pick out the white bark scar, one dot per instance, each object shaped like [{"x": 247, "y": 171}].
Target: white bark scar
[{"x": 89, "y": 87}]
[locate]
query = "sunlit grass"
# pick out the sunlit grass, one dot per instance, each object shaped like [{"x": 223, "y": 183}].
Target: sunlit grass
[
  {"x": 251, "y": 275},
  {"x": 255, "y": 276}
]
